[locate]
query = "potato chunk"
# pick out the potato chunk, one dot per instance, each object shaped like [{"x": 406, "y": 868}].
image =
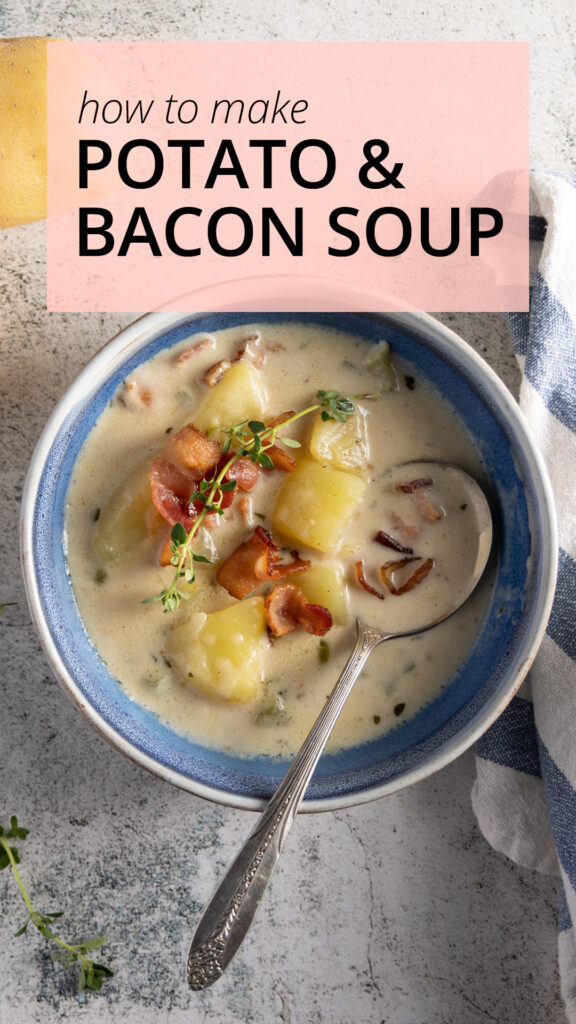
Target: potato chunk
[
  {"x": 324, "y": 583},
  {"x": 221, "y": 653},
  {"x": 342, "y": 445},
  {"x": 238, "y": 396},
  {"x": 316, "y": 503},
  {"x": 126, "y": 520}
]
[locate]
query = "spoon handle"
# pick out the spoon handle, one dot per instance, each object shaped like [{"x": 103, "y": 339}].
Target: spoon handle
[{"x": 228, "y": 915}]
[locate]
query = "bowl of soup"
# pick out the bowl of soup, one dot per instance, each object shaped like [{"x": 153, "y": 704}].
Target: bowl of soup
[{"x": 209, "y": 510}]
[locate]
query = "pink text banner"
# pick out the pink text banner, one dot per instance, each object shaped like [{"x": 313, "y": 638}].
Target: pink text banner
[{"x": 259, "y": 175}]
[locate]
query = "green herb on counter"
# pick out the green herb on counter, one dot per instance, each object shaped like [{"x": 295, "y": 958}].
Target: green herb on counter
[{"x": 91, "y": 974}]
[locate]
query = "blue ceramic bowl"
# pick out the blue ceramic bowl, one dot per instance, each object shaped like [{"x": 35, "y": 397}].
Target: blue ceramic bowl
[{"x": 467, "y": 706}]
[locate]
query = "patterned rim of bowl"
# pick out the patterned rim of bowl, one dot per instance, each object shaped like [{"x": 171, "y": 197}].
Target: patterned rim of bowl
[{"x": 481, "y": 689}]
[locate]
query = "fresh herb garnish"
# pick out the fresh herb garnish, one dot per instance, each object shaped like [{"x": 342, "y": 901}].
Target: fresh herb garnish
[
  {"x": 91, "y": 974},
  {"x": 323, "y": 651},
  {"x": 250, "y": 439}
]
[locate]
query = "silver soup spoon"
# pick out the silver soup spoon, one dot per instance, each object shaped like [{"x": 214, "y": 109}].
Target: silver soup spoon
[{"x": 228, "y": 915}]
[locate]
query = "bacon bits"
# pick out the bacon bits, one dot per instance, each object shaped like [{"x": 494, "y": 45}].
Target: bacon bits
[
  {"x": 361, "y": 577},
  {"x": 414, "y": 485},
  {"x": 215, "y": 373},
  {"x": 244, "y": 471},
  {"x": 286, "y": 608},
  {"x": 187, "y": 353},
  {"x": 281, "y": 459},
  {"x": 191, "y": 451},
  {"x": 389, "y": 542},
  {"x": 255, "y": 561},
  {"x": 388, "y": 571},
  {"x": 250, "y": 349},
  {"x": 171, "y": 490}
]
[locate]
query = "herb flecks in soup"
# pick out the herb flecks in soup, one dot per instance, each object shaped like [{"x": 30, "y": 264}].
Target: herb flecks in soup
[{"x": 242, "y": 483}]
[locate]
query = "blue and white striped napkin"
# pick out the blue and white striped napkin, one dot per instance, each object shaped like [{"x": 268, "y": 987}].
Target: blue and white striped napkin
[{"x": 525, "y": 791}]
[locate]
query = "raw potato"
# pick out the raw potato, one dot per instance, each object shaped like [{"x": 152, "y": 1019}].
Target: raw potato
[
  {"x": 325, "y": 584},
  {"x": 221, "y": 653},
  {"x": 22, "y": 130},
  {"x": 342, "y": 445},
  {"x": 126, "y": 520},
  {"x": 316, "y": 503},
  {"x": 238, "y": 396}
]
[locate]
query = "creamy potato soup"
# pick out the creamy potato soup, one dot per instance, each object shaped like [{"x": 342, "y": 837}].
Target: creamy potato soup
[{"x": 219, "y": 569}]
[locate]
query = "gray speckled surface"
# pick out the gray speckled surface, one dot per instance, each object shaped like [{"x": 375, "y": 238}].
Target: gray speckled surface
[{"x": 397, "y": 911}]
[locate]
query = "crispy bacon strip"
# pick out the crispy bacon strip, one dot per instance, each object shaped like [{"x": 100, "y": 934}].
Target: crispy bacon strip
[
  {"x": 387, "y": 573},
  {"x": 191, "y": 451},
  {"x": 187, "y": 353},
  {"x": 253, "y": 562},
  {"x": 171, "y": 490},
  {"x": 389, "y": 542},
  {"x": 215, "y": 373},
  {"x": 286, "y": 608},
  {"x": 281, "y": 459},
  {"x": 361, "y": 576},
  {"x": 277, "y": 421},
  {"x": 244, "y": 471},
  {"x": 428, "y": 509},
  {"x": 250, "y": 350},
  {"x": 414, "y": 485}
]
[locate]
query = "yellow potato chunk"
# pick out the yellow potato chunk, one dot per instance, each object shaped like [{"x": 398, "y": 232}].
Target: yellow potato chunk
[
  {"x": 221, "y": 653},
  {"x": 325, "y": 584},
  {"x": 238, "y": 396},
  {"x": 316, "y": 503},
  {"x": 127, "y": 519},
  {"x": 342, "y": 445},
  {"x": 22, "y": 130}
]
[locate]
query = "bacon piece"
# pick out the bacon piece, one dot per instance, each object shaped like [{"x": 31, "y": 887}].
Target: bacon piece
[
  {"x": 191, "y": 451},
  {"x": 361, "y": 576},
  {"x": 253, "y": 562},
  {"x": 389, "y": 542},
  {"x": 135, "y": 393},
  {"x": 171, "y": 492},
  {"x": 215, "y": 373},
  {"x": 277, "y": 421},
  {"x": 251, "y": 351},
  {"x": 387, "y": 573},
  {"x": 187, "y": 353},
  {"x": 245, "y": 472},
  {"x": 414, "y": 485},
  {"x": 286, "y": 608},
  {"x": 428, "y": 509},
  {"x": 281, "y": 459}
]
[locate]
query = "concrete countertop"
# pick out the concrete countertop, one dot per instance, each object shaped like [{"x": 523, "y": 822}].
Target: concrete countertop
[{"x": 396, "y": 911}]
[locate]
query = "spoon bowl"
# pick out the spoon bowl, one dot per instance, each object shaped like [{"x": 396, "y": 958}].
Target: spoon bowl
[{"x": 228, "y": 915}]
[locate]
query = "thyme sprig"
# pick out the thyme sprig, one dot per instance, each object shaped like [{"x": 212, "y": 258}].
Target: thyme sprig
[
  {"x": 250, "y": 439},
  {"x": 91, "y": 974}
]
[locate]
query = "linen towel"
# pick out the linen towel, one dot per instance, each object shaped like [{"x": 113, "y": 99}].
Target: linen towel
[{"x": 524, "y": 795}]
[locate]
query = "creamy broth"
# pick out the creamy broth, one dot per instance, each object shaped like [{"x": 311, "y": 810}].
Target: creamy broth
[{"x": 404, "y": 420}]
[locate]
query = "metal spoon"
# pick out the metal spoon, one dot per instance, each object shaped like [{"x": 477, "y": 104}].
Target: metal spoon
[{"x": 228, "y": 915}]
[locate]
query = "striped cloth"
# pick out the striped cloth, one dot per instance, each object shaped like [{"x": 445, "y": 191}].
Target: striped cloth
[{"x": 524, "y": 795}]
